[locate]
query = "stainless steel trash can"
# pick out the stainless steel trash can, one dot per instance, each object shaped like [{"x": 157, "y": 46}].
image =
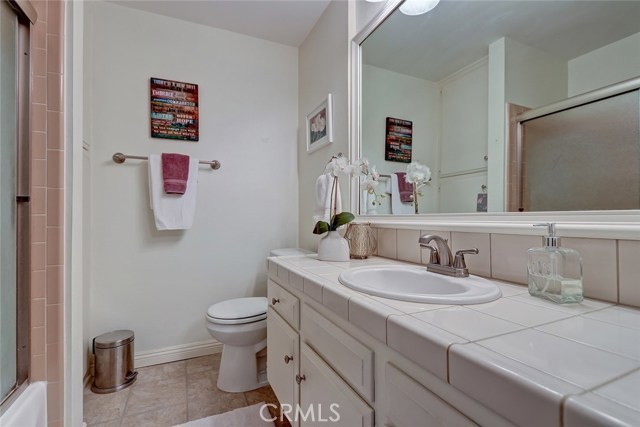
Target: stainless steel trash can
[{"x": 113, "y": 361}]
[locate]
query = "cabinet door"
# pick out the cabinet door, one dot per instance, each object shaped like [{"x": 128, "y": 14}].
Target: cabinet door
[
  {"x": 460, "y": 193},
  {"x": 348, "y": 357},
  {"x": 282, "y": 358},
  {"x": 325, "y": 399},
  {"x": 411, "y": 404}
]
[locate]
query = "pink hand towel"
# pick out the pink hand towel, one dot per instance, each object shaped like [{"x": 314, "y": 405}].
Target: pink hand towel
[
  {"x": 175, "y": 172},
  {"x": 404, "y": 188}
]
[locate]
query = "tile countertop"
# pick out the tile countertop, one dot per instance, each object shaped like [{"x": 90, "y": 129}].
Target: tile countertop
[{"x": 546, "y": 364}]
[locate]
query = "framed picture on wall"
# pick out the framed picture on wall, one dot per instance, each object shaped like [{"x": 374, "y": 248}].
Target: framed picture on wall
[
  {"x": 174, "y": 110},
  {"x": 399, "y": 134},
  {"x": 320, "y": 126}
]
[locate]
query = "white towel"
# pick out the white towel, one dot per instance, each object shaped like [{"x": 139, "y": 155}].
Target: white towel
[
  {"x": 324, "y": 183},
  {"x": 172, "y": 211}
]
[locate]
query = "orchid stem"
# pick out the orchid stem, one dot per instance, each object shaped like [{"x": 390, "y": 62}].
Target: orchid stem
[{"x": 334, "y": 199}]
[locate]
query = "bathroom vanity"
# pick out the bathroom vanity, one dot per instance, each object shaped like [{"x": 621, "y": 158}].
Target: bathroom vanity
[{"x": 350, "y": 359}]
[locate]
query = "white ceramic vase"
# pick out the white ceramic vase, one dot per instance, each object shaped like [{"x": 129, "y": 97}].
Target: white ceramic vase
[{"x": 333, "y": 247}]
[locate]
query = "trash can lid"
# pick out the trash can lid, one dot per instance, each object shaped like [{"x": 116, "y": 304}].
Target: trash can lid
[{"x": 113, "y": 339}]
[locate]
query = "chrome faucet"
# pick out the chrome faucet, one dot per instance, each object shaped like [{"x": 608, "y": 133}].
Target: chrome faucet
[{"x": 440, "y": 257}]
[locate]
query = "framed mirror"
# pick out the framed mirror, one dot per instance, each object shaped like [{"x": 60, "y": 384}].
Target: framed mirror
[{"x": 449, "y": 88}]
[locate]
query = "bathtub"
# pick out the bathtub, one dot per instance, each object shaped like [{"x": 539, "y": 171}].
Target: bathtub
[{"x": 29, "y": 409}]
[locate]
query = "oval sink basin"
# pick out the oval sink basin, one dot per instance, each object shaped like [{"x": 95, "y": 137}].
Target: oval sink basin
[{"x": 416, "y": 284}]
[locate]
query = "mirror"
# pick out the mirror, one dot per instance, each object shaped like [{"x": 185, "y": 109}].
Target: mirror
[{"x": 441, "y": 89}]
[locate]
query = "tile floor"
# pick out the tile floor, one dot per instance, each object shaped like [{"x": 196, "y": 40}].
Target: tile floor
[{"x": 169, "y": 394}]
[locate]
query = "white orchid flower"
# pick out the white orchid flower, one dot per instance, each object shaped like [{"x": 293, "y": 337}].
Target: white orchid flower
[
  {"x": 362, "y": 167},
  {"x": 339, "y": 166},
  {"x": 375, "y": 174},
  {"x": 369, "y": 184},
  {"x": 418, "y": 174}
]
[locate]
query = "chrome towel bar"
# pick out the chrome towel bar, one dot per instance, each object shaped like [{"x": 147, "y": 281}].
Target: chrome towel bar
[{"x": 120, "y": 158}]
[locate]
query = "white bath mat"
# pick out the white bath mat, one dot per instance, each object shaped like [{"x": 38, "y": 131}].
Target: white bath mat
[{"x": 242, "y": 417}]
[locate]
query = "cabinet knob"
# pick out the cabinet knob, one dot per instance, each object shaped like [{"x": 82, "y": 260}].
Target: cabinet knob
[
  {"x": 274, "y": 301},
  {"x": 287, "y": 359},
  {"x": 486, "y": 157},
  {"x": 300, "y": 378}
]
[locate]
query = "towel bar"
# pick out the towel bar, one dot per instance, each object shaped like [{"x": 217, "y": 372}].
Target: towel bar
[{"x": 120, "y": 158}]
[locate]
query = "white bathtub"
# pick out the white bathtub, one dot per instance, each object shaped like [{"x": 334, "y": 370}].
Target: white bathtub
[{"x": 29, "y": 409}]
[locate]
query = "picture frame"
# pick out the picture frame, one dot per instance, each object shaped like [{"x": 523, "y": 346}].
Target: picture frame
[
  {"x": 319, "y": 130},
  {"x": 398, "y": 140},
  {"x": 174, "y": 110}
]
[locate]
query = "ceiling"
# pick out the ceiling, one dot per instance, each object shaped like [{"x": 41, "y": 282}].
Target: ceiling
[
  {"x": 457, "y": 33},
  {"x": 283, "y": 21}
]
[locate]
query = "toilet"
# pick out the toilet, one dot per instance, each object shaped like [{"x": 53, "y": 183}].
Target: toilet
[{"x": 240, "y": 324}]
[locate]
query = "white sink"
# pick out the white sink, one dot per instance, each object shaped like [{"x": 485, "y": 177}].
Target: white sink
[{"x": 416, "y": 284}]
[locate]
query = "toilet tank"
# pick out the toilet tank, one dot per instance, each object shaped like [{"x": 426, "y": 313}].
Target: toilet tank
[{"x": 289, "y": 252}]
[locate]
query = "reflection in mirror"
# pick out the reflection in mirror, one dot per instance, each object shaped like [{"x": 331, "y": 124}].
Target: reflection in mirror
[
  {"x": 583, "y": 157},
  {"x": 457, "y": 73}
]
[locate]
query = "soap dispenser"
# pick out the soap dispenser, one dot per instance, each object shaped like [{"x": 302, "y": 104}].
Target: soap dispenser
[{"x": 555, "y": 273}]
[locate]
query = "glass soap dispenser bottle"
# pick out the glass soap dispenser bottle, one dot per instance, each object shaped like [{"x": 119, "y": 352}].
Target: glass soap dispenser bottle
[{"x": 555, "y": 273}]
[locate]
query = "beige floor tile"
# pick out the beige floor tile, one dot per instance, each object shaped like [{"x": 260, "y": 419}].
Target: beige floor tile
[
  {"x": 156, "y": 395},
  {"x": 205, "y": 406},
  {"x": 164, "y": 417},
  {"x": 170, "y": 394},
  {"x": 266, "y": 394},
  {"x": 165, "y": 371},
  {"x": 99, "y": 408},
  {"x": 203, "y": 364},
  {"x": 262, "y": 394},
  {"x": 114, "y": 423},
  {"x": 203, "y": 384}
]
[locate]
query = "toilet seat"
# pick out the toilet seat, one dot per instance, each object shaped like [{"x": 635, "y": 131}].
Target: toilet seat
[{"x": 238, "y": 311}]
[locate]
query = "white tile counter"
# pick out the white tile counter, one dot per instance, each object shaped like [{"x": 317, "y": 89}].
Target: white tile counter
[{"x": 529, "y": 360}]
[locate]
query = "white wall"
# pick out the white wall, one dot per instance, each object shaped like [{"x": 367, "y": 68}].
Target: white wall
[
  {"x": 464, "y": 100},
  {"x": 533, "y": 78},
  {"x": 522, "y": 75},
  {"x": 323, "y": 68},
  {"x": 159, "y": 284},
  {"x": 622, "y": 59},
  {"x": 390, "y": 94}
]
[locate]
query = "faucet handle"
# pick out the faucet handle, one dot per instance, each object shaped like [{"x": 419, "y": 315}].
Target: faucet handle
[
  {"x": 434, "y": 256},
  {"x": 458, "y": 261}
]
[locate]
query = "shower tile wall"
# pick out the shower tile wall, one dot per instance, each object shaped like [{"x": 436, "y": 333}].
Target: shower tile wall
[{"x": 47, "y": 190}]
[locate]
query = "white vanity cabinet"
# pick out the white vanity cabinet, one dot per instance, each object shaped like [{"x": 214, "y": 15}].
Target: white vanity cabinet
[
  {"x": 300, "y": 377},
  {"x": 331, "y": 399},
  {"x": 411, "y": 404},
  {"x": 283, "y": 346}
]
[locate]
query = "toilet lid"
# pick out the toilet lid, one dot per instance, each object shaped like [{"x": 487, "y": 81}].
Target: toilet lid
[{"x": 239, "y": 310}]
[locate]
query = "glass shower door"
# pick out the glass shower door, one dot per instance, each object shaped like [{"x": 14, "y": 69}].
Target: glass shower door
[{"x": 8, "y": 185}]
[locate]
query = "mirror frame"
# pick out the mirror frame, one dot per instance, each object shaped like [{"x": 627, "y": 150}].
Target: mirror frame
[{"x": 595, "y": 224}]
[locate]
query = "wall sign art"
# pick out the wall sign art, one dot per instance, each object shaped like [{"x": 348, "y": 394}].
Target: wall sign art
[
  {"x": 174, "y": 110},
  {"x": 398, "y": 141}
]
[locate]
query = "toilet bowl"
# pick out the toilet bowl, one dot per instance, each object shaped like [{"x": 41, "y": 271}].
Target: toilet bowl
[{"x": 240, "y": 324}]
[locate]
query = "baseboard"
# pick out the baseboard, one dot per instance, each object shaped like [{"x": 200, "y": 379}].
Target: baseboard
[{"x": 175, "y": 353}]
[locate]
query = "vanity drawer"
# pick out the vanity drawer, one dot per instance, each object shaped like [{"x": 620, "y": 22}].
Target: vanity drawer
[
  {"x": 411, "y": 404},
  {"x": 285, "y": 303},
  {"x": 347, "y": 356}
]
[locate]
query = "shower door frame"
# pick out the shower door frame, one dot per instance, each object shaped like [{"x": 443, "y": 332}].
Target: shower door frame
[{"x": 26, "y": 15}]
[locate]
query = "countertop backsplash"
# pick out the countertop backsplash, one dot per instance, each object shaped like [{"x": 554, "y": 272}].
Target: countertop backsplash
[{"x": 611, "y": 267}]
